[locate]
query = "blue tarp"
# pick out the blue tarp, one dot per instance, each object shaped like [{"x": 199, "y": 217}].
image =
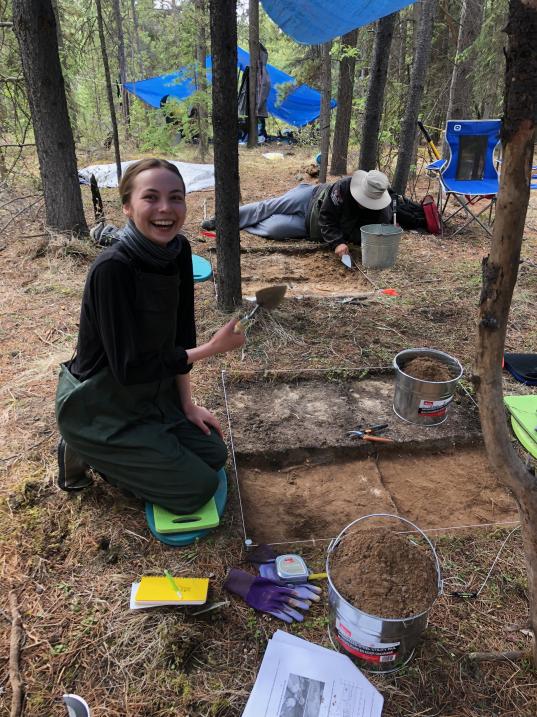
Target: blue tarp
[
  {"x": 313, "y": 22},
  {"x": 299, "y": 107}
]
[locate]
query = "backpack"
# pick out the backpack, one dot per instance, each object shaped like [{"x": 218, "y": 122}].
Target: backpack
[
  {"x": 411, "y": 215},
  {"x": 432, "y": 216}
]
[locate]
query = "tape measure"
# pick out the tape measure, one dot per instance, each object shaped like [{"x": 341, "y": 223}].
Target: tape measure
[{"x": 292, "y": 568}]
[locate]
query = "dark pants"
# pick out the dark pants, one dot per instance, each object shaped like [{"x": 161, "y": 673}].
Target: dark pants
[{"x": 138, "y": 437}]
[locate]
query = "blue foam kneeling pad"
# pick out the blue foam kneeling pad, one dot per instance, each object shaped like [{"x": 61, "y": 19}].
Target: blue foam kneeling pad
[
  {"x": 201, "y": 268},
  {"x": 179, "y": 539}
]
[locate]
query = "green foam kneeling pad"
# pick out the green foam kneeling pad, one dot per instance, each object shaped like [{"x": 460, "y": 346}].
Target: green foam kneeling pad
[{"x": 190, "y": 534}]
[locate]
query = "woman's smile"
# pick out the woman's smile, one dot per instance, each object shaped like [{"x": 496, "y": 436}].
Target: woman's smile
[{"x": 157, "y": 204}]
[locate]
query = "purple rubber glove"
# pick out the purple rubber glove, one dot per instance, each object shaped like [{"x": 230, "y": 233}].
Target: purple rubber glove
[
  {"x": 305, "y": 591},
  {"x": 265, "y": 595}
]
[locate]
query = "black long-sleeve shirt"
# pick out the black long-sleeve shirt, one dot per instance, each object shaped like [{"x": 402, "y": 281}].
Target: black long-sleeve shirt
[
  {"x": 341, "y": 217},
  {"x": 109, "y": 334}
]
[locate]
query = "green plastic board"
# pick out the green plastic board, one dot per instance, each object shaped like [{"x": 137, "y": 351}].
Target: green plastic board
[
  {"x": 523, "y": 410},
  {"x": 167, "y": 522}
]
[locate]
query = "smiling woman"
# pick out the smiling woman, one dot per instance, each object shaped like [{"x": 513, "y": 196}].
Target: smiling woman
[{"x": 124, "y": 404}]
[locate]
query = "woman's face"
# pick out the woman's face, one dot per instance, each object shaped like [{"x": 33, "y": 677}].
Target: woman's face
[{"x": 157, "y": 204}]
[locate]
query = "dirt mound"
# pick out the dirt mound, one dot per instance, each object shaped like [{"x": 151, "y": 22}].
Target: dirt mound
[
  {"x": 384, "y": 574},
  {"x": 427, "y": 369}
]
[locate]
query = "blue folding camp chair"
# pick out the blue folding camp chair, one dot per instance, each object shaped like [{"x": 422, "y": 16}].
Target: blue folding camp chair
[{"x": 470, "y": 175}]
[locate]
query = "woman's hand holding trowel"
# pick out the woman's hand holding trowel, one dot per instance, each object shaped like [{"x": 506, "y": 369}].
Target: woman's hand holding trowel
[{"x": 268, "y": 298}]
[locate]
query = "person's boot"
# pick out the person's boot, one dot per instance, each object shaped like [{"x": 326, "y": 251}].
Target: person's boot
[
  {"x": 73, "y": 472},
  {"x": 209, "y": 224}
]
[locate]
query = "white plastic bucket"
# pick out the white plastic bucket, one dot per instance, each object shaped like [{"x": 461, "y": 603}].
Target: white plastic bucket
[{"x": 380, "y": 244}]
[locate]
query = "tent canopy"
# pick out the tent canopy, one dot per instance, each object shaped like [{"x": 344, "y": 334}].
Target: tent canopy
[
  {"x": 313, "y": 22},
  {"x": 301, "y": 106}
]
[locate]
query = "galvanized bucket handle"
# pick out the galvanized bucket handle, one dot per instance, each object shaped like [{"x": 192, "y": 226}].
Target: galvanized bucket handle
[{"x": 335, "y": 541}]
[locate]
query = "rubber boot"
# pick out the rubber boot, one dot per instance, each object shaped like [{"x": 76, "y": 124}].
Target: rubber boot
[{"x": 73, "y": 472}]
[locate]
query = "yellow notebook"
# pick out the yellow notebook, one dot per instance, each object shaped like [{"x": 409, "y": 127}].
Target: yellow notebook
[{"x": 156, "y": 590}]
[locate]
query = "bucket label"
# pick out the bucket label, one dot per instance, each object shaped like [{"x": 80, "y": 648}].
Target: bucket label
[
  {"x": 375, "y": 652},
  {"x": 434, "y": 408}
]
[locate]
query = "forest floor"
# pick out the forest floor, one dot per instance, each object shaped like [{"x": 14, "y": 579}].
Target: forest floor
[{"x": 70, "y": 559}]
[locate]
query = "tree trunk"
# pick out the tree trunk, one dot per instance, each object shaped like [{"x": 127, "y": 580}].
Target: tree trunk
[
  {"x": 253, "y": 45},
  {"x": 422, "y": 53},
  {"x": 460, "y": 91},
  {"x": 71, "y": 104},
  {"x": 326, "y": 97},
  {"x": 109, "y": 93},
  {"x": 35, "y": 28},
  {"x": 500, "y": 274},
  {"x": 137, "y": 37},
  {"x": 226, "y": 158},
  {"x": 344, "y": 105},
  {"x": 375, "y": 93},
  {"x": 122, "y": 62},
  {"x": 201, "y": 57}
]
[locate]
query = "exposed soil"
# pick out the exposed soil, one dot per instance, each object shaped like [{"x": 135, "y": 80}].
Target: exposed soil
[
  {"x": 443, "y": 490},
  {"x": 315, "y": 411},
  {"x": 384, "y": 574},
  {"x": 427, "y": 369},
  {"x": 71, "y": 558},
  {"x": 316, "y": 273}
]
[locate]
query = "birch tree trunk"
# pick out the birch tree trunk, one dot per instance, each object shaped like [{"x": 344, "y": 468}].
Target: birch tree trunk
[
  {"x": 226, "y": 159},
  {"x": 415, "y": 92},
  {"x": 375, "y": 94},
  {"x": 500, "y": 270},
  {"x": 345, "y": 87}
]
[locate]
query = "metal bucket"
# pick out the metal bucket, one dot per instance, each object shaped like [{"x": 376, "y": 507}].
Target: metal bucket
[
  {"x": 375, "y": 644},
  {"x": 424, "y": 402},
  {"x": 380, "y": 244}
]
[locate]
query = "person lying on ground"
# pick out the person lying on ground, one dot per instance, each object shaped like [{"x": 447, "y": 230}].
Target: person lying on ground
[
  {"x": 124, "y": 403},
  {"x": 330, "y": 213}
]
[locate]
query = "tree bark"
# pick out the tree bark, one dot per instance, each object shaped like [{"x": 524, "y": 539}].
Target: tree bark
[
  {"x": 345, "y": 88},
  {"x": 137, "y": 37},
  {"x": 109, "y": 93},
  {"x": 253, "y": 46},
  {"x": 201, "y": 57},
  {"x": 226, "y": 158},
  {"x": 415, "y": 92},
  {"x": 375, "y": 93},
  {"x": 125, "y": 110},
  {"x": 326, "y": 97},
  {"x": 460, "y": 90},
  {"x": 500, "y": 270},
  {"x": 35, "y": 28}
]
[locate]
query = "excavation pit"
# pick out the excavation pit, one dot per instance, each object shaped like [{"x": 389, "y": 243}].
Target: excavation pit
[{"x": 301, "y": 477}]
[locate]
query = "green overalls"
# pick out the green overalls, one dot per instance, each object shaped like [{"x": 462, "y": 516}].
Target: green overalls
[{"x": 137, "y": 436}]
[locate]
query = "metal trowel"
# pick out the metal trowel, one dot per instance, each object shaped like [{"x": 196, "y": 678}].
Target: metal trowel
[{"x": 268, "y": 298}]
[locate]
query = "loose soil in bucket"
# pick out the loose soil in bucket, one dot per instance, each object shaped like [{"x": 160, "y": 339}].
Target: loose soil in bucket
[
  {"x": 427, "y": 369},
  {"x": 383, "y": 573}
]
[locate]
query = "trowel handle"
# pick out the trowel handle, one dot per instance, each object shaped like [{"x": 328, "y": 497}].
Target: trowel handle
[
  {"x": 377, "y": 439},
  {"x": 243, "y": 323}
]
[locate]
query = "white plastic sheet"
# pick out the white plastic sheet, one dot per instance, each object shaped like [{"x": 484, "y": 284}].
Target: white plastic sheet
[{"x": 196, "y": 176}]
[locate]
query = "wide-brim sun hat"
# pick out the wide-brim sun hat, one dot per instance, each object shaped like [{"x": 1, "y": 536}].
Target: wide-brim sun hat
[{"x": 370, "y": 189}]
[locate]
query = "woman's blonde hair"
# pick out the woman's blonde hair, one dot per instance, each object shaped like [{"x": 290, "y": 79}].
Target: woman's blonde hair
[{"x": 133, "y": 170}]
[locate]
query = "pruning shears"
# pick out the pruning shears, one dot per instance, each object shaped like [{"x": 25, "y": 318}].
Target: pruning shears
[{"x": 369, "y": 433}]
